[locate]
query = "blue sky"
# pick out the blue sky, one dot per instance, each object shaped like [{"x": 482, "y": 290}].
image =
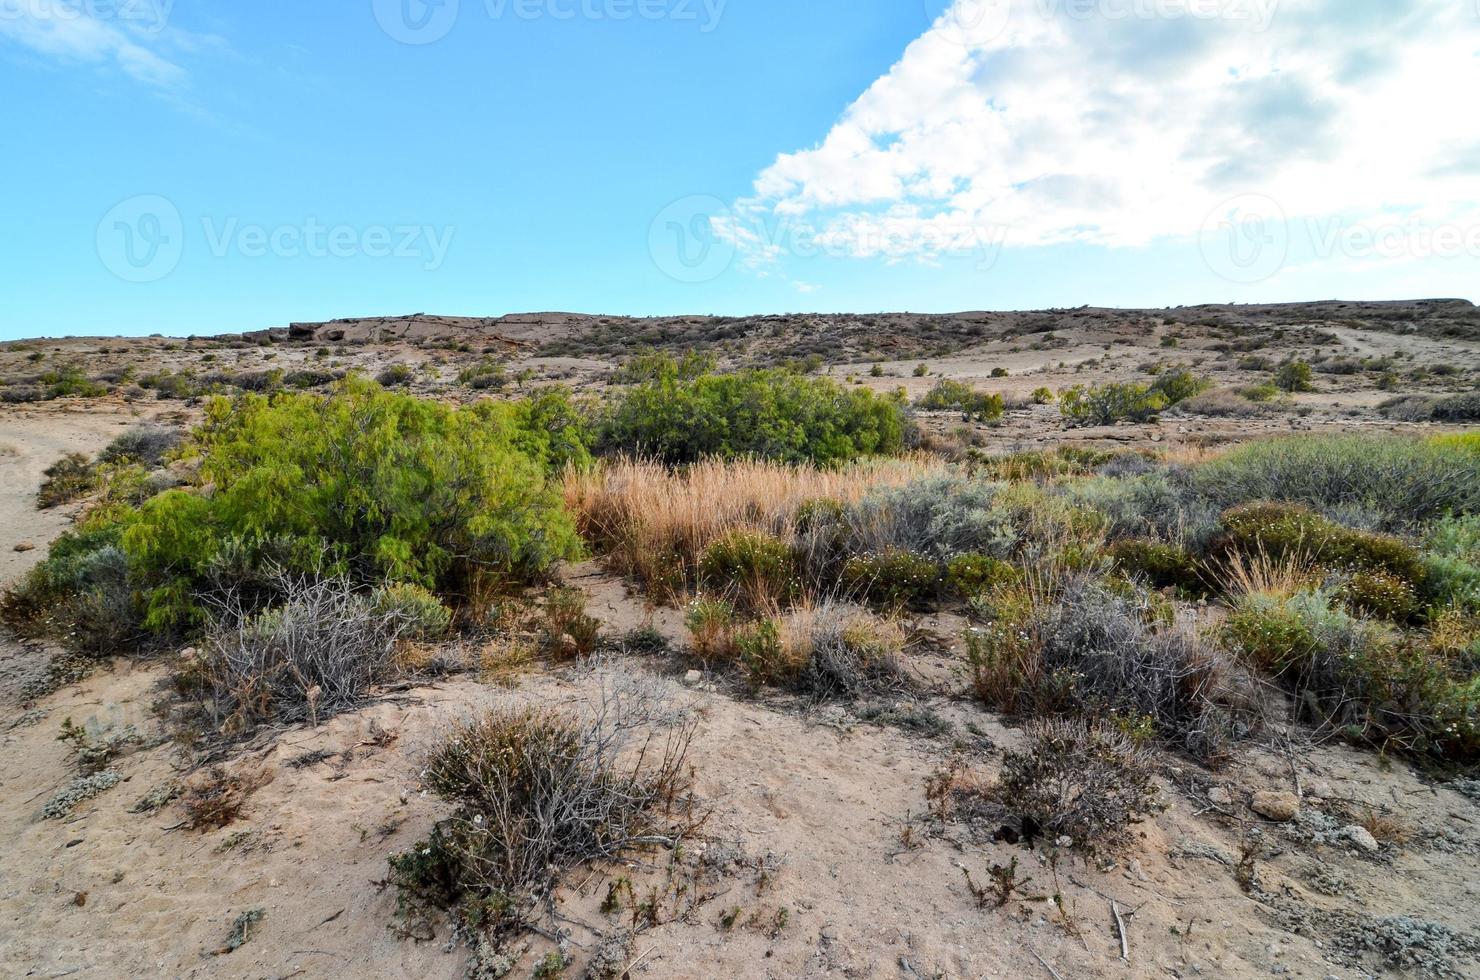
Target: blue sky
[{"x": 199, "y": 166}]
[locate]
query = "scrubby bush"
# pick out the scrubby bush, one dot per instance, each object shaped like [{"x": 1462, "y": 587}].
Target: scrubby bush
[
  {"x": 771, "y": 414},
  {"x": 1162, "y": 505},
  {"x": 396, "y": 375},
  {"x": 1293, "y": 376},
  {"x": 363, "y": 484},
  {"x": 938, "y": 517},
  {"x": 1347, "y": 675},
  {"x": 1159, "y": 564},
  {"x": 1110, "y": 403},
  {"x": 1391, "y": 482},
  {"x": 1090, "y": 652},
  {"x": 68, "y": 479},
  {"x": 1452, "y": 562},
  {"x": 1284, "y": 531},
  {"x": 973, "y": 574},
  {"x": 1179, "y": 384},
  {"x": 1223, "y": 403},
  {"x": 755, "y": 569},
  {"x": 313, "y": 656},
  {"x": 893, "y": 578},
  {"x": 537, "y": 792},
  {"x": 69, "y": 382},
  {"x": 569, "y": 630},
  {"x": 1086, "y": 782},
  {"x": 957, "y": 396},
  {"x": 144, "y": 445}
]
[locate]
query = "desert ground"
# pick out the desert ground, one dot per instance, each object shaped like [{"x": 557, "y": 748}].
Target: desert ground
[{"x": 818, "y": 855}]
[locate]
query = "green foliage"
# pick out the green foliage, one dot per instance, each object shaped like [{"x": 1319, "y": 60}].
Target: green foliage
[
  {"x": 1179, "y": 384},
  {"x": 1043, "y": 396},
  {"x": 396, "y": 375},
  {"x": 1283, "y": 531},
  {"x": 754, "y": 568},
  {"x": 921, "y": 370},
  {"x": 1259, "y": 393},
  {"x": 70, "y": 478},
  {"x": 422, "y": 615},
  {"x": 892, "y": 578},
  {"x": 1293, "y": 376},
  {"x": 1389, "y": 482},
  {"x": 363, "y": 483},
  {"x": 973, "y": 574},
  {"x": 485, "y": 375},
  {"x": 1110, "y": 403},
  {"x": 1381, "y": 594},
  {"x": 1350, "y": 676},
  {"x": 948, "y": 395},
  {"x": 659, "y": 366},
  {"x": 1161, "y": 565},
  {"x": 1000, "y": 372},
  {"x": 767, "y": 413},
  {"x": 1452, "y": 562},
  {"x": 68, "y": 381}
]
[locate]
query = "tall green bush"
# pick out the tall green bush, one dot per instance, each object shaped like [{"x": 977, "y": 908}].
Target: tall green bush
[{"x": 767, "y": 413}]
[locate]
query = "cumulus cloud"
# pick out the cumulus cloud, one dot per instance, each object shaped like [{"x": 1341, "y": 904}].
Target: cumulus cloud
[
  {"x": 1122, "y": 122},
  {"x": 131, "y": 36}
]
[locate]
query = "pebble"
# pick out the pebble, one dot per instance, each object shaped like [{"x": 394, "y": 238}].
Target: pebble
[
  {"x": 1361, "y": 838},
  {"x": 25, "y": 546},
  {"x": 692, "y": 678},
  {"x": 1276, "y": 806},
  {"x": 1220, "y": 796}
]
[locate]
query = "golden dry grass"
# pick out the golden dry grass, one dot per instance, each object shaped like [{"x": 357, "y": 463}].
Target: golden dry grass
[
  {"x": 653, "y": 523},
  {"x": 1260, "y": 574}
]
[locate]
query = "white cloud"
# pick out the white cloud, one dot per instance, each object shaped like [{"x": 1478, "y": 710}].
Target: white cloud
[
  {"x": 1121, "y": 122},
  {"x": 130, "y": 36}
]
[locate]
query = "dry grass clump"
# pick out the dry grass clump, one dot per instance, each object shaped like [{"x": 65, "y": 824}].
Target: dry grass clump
[
  {"x": 826, "y": 652},
  {"x": 1078, "y": 648},
  {"x": 1074, "y": 783},
  {"x": 313, "y": 656},
  {"x": 539, "y": 791},
  {"x": 216, "y": 797},
  {"x": 654, "y": 524}
]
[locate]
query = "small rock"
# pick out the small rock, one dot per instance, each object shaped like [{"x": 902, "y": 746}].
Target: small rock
[
  {"x": 1219, "y": 796},
  {"x": 692, "y": 678},
  {"x": 1276, "y": 806},
  {"x": 829, "y": 932},
  {"x": 25, "y": 546},
  {"x": 1361, "y": 838},
  {"x": 1319, "y": 789}
]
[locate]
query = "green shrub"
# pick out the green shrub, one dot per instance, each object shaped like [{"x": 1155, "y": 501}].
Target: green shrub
[
  {"x": 973, "y": 574},
  {"x": 1293, "y": 376},
  {"x": 569, "y": 631},
  {"x": 1283, "y": 531},
  {"x": 892, "y": 578},
  {"x": 1452, "y": 562},
  {"x": 1259, "y": 393},
  {"x": 70, "y": 478},
  {"x": 1179, "y": 384},
  {"x": 771, "y": 414},
  {"x": 1043, "y": 396},
  {"x": 1389, "y": 482},
  {"x": 1382, "y": 594},
  {"x": 921, "y": 370},
  {"x": 363, "y": 483},
  {"x": 70, "y": 382},
  {"x": 483, "y": 376},
  {"x": 421, "y": 614},
  {"x": 1109, "y": 403},
  {"x": 1000, "y": 372},
  {"x": 754, "y": 568},
  {"x": 948, "y": 395},
  {"x": 1348, "y": 676},
  {"x": 1161, "y": 565}
]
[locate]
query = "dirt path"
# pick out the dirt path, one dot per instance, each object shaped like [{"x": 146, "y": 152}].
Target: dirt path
[{"x": 39, "y": 437}]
